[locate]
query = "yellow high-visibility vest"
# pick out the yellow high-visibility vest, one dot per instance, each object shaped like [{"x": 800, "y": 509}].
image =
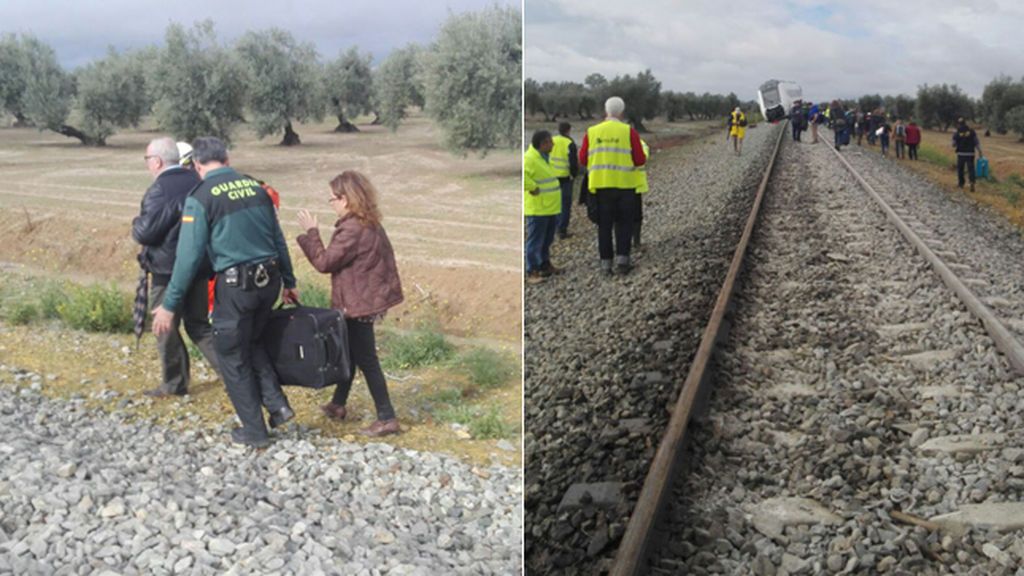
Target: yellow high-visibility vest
[
  {"x": 641, "y": 171},
  {"x": 610, "y": 157},
  {"x": 538, "y": 174},
  {"x": 559, "y": 156}
]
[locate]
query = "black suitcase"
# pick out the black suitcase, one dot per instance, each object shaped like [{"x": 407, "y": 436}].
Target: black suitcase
[{"x": 308, "y": 346}]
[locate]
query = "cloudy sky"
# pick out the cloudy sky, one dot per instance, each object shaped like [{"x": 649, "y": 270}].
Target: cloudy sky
[
  {"x": 81, "y": 30},
  {"x": 833, "y": 49}
]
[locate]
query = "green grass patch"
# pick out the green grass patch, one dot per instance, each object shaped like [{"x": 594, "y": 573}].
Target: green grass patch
[
  {"x": 415, "y": 349},
  {"x": 487, "y": 368},
  {"x": 934, "y": 156},
  {"x": 51, "y": 298},
  {"x": 483, "y": 424},
  {"x": 96, "y": 308},
  {"x": 21, "y": 313},
  {"x": 314, "y": 296},
  {"x": 449, "y": 396}
]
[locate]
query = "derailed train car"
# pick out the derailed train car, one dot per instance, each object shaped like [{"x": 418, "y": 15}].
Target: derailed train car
[{"x": 776, "y": 97}]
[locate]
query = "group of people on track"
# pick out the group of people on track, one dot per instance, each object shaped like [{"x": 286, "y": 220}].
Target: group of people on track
[{"x": 611, "y": 160}]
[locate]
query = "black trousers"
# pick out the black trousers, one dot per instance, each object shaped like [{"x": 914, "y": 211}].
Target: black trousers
[
  {"x": 239, "y": 317},
  {"x": 615, "y": 207},
  {"x": 362, "y": 350},
  {"x": 174, "y": 359},
  {"x": 912, "y": 151},
  {"x": 961, "y": 162},
  {"x": 638, "y": 218}
]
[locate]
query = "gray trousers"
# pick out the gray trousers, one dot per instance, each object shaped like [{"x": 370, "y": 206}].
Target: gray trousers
[{"x": 173, "y": 353}]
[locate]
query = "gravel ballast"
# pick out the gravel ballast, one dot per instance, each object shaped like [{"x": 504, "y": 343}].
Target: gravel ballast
[
  {"x": 604, "y": 356},
  {"x": 87, "y": 492},
  {"x": 854, "y": 387}
]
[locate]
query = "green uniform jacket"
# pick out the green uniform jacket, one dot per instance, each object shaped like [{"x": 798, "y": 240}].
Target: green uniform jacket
[{"x": 231, "y": 218}]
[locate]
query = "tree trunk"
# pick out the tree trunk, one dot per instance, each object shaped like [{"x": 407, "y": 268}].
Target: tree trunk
[
  {"x": 290, "y": 137},
  {"x": 376, "y": 119},
  {"x": 344, "y": 125},
  {"x": 72, "y": 132}
]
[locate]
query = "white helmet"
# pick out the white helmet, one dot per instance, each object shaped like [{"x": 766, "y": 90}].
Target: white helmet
[{"x": 184, "y": 153}]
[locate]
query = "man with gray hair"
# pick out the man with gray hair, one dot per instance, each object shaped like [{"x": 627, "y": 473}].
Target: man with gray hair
[
  {"x": 156, "y": 229},
  {"x": 612, "y": 151},
  {"x": 232, "y": 218}
]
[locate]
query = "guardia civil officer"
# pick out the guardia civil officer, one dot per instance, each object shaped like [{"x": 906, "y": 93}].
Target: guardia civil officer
[
  {"x": 965, "y": 140},
  {"x": 611, "y": 152},
  {"x": 231, "y": 218},
  {"x": 565, "y": 162}
]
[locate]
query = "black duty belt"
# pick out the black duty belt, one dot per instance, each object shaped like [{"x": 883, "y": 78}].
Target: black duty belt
[{"x": 251, "y": 274}]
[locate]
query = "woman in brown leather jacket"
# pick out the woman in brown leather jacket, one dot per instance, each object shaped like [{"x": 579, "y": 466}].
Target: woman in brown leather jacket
[{"x": 364, "y": 285}]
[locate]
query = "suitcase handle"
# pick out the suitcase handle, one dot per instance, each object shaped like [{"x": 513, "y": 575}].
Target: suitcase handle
[{"x": 281, "y": 305}]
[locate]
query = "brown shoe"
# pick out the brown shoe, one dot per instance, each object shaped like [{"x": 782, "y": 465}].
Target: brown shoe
[
  {"x": 551, "y": 269},
  {"x": 333, "y": 411},
  {"x": 534, "y": 278},
  {"x": 161, "y": 393},
  {"x": 382, "y": 428}
]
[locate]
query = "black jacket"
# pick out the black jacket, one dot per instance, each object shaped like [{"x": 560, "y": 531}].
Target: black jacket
[
  {"x": 159, "y": 220},
  {"x": 965, "y": 140}
]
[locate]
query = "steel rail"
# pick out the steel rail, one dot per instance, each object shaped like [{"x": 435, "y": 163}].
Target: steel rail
[
  {"x": 1004, "y": 339},
  {"x": 632, "y": 552}
]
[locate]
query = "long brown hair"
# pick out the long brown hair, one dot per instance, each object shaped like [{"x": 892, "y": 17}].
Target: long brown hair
[{"x": 361, "y": 196}]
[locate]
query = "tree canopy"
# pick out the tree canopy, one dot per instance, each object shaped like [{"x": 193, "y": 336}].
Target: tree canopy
[
  {"x": 283, "y": 82},
  {"x": 348, "y": 81},
  {"x": 396, "y": 85},
  {"x": 473, "y": 79},
  {"x": 198, "y": 85}
]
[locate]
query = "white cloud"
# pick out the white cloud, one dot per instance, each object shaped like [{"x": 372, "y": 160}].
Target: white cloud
[{"x": 831, "y": 48}]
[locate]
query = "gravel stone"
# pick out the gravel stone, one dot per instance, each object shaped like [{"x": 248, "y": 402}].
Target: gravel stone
[
  {"x": 811, "y": 399},
  {"x": 147, "y": 500}
]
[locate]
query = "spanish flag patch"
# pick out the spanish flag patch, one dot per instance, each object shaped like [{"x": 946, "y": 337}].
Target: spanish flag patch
[{"x": 187, "y": 219}]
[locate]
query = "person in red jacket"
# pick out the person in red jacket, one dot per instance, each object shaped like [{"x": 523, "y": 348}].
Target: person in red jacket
[
  {"x": 364, "y": 285},
  {"x": 913, "y": 140}
]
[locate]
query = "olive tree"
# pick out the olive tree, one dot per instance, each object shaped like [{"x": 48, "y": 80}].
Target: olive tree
[
  {"x": 1014, "y": 119},
  {"x": 348, "y": 82},
  {"x": 198, "y": 86},
  {"x": 642, "y": 95},
  {"x": 395, "y": 85},
  {"x": 12, "y": 78},
  {"x": 473, "y": 79},
  {"x": 941, "y": 105},
  {"x": 283, "y": 82},
  {"x": 111, "y": 94},
  {"x": 49, "y": 91}
]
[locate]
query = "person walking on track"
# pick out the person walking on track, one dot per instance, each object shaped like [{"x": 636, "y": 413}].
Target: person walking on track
[
  {"x": 965, "y": 140},
  {"x": 564, "y": 159},
  {"x": 612, "y": 151},
  {"x": 899, "y": 138},
  {"x": 737, "y": 128},
  {"x": 913, "y": 139},
  {"x": 815, "y": 118},
  {"x": 839, "y": 124},
  {"x": 231, "y": 218},
  {"x": 542, "y": 203},
  {"x": 156, "y": 229},
  {"x": 364, "y": 285}
]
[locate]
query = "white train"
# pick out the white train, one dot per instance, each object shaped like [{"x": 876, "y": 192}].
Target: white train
[{"x": 776, "y": 97}]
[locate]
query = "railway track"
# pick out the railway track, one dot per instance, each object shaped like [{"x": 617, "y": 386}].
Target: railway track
[{"x": 862, "y": 420}]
